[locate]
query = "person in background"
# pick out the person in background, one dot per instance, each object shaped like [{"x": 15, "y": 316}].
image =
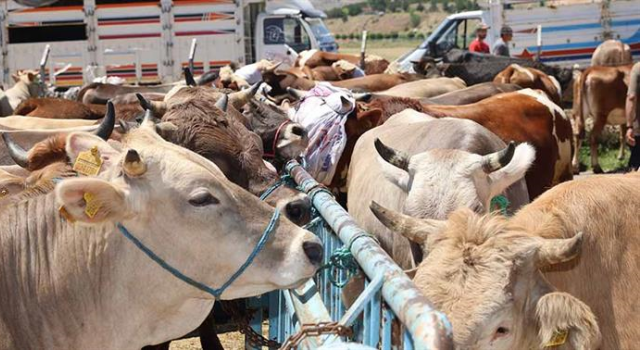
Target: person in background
[
  {"x": 501, "y": 46},
  {"x": 632, "y": 114},
  {"x": 478, "y": 44}
]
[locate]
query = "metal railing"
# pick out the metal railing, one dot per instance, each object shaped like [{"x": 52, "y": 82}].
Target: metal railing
[{"x": 389, "y": 295}]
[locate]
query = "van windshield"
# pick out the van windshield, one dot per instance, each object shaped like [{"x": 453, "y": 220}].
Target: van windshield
[{"x": 319, "y": 30}]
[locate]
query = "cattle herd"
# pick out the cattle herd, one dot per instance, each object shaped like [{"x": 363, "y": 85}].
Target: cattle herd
[{"x": 467, "y": 187}]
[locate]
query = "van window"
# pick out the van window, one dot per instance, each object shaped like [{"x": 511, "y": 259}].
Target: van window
[{"x": 278, "y": 31}]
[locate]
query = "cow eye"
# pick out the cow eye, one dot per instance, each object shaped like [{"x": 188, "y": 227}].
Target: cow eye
[
  {"x": 502, "y": 331},
  {"x": 201, "y": 199}
]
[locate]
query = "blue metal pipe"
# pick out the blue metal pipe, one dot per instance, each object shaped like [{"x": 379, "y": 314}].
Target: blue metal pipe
[{"x": 429, "y": 328}]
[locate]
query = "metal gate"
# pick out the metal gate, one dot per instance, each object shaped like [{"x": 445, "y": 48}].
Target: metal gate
[{"x": 389, "y": 296}]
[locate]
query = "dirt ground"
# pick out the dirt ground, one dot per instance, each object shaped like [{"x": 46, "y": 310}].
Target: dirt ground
[
  {"x": 388, "y": 49},
  {"x": 230, "y": 341}
]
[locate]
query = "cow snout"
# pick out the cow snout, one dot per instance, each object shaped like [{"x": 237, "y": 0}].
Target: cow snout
[
  {"x": 314, "y": 252},
  {"x": 299, "y": 211}
]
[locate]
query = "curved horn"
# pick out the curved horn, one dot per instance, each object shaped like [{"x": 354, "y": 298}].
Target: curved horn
[
  {"x": 223, "y": 102},
  {"x": 133, "y": 165},
  {"x": 295, "y": 93},
  {"x": 188, "y": 77},
  {"x": 246, "y": 94},
  {"x": 144, "y": 103},
  {"x": 108, "y": 122},
  {"x": 414, "y": 229},
  {"x": 391, "y": 156},
  {"x": 496, "y": 161},
  {"x": 17, "y": 153}
]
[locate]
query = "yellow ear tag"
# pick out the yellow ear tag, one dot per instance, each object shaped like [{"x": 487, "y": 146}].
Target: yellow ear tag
[
  {"x": 558, "y": 338},
  {"x": 65, "y": 214},
  {"x": 91, "y": 207},
  {"x": 89, "y": 162}
]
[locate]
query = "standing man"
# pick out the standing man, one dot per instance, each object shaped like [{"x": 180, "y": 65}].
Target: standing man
[
  {"x": 632, "y": 112},
  {"x": 501, "y": 47},
  {"x": 478, "y": 44}
]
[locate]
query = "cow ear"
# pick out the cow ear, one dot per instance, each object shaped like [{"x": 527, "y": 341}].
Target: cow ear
[
  {"x": 15, "y": 77},
  {"x": 563, "y": 318},
  {"x": 79, "y": 142},
  {"x": 523, "y": 157},
  {"x": 31, "y": 76},
  {"x": 91, "y": 200}
]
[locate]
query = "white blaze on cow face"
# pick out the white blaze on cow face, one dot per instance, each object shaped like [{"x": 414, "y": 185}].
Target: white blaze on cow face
[
  {"x": 485, "y": 275},
  {"x": 187, "y": 212},
  {"x": 441, "y": 180}
]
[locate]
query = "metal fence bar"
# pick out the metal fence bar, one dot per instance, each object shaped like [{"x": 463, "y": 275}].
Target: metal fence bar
[{"x": 429, "y": 328}]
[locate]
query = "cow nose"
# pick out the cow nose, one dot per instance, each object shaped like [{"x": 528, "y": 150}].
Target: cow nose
[
  {"x": 299, "y": 210},
  {"x": 298, "y": 130},
  {"x": 314, "y": 251}
]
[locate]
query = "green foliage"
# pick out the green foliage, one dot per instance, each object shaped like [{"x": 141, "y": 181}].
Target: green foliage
[
  {"x": 420, "y": 7},
  {"x": 411, "y": 35},
  {"x": 434, "y": 5},
  {"x": 394, "y": 35},
  {"x": 421, "y": 36},
  {"x": 415, "y": 19},
  {"x": 377, "y": 5}
]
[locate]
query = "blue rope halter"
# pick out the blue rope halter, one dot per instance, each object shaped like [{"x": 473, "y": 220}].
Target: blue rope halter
[{"x": 216, "y": 293}]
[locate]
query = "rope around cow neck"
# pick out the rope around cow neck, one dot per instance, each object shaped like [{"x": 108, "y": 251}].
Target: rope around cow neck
[{"x": 217, "y": 292}]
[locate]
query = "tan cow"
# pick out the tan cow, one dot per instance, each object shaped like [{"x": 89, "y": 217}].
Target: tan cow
[
  {"x": 485, "y": 272},
  {"x": 27, "y": 84},
  {"x": 600, "y": 95},
  {"x": 425, "y": 88},
  {"x": 611, "y": 53},
  {"x": 166, "y": 197},
  {"x": 532, "y": 78}
]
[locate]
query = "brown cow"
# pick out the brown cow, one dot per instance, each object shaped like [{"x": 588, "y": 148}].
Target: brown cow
[
  {"x": 600, "y": 95},
  {"x": 522, "y": 116},
  {"x": 315, "y": 58},
  {"x": 532, "y": 78},
  {"x": 340, "y": 70},
  {"x": 485, "y": 271},
  {"x": 58, "y": 108},
  {"x": 612, "y": 53},
  {"x": 425, "y": 88}
]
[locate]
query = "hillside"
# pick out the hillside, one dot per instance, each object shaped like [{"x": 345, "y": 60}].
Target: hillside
[{"x": 398, "y": 22}]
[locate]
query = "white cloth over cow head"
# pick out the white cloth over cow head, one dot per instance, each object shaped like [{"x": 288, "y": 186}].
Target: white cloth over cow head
[{"x": 323, "y": 113}]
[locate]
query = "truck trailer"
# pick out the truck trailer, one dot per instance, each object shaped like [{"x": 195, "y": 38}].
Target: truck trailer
[{"x": 149, "y": 41}]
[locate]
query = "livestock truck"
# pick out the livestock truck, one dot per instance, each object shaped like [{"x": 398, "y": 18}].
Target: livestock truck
[
  {"x": 150, "y": 41},
  {"x": 564, "y": 32}
]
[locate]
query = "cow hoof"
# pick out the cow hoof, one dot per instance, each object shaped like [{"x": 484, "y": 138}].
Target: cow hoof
[{"x": 597, "y": 170}]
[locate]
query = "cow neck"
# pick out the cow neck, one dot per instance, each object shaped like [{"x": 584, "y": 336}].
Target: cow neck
[
  {"x": 84, "y": 278},
  {"x": 271, "y": 140}
]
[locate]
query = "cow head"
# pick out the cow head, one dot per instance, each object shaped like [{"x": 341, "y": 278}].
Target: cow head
[
  {"x": 485, "y": 275},
  {"x": 472, "y": 180},
  {"x": 375, "y": 65},
  {"x": 207, "y": 127},
  {"x": 344, "y": 69},
  {"x": 281, "y": 138},
  {"x": 183, "y": 206},
  {"x": 30, "y": 79},
  {"x": 51, "y": 149}
]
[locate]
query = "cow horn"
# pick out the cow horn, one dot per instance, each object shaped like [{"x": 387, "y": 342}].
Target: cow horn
[
  {"x": 396, "y": 158},
  {"x": 188, "y": 77},
  {"x": 133, "y": 165},
  {"x": 144, "y": 103},
  {"x": 496, "y": 161},
  {"x": 273, "y": 67},
  {"x": 362, "y": 96},
  {"x": 414, "y": 229},
  {"x": 166, "y": 130},
  {"x": 223, "y": 102},
  {"x": 295, "y": 93},
  {"x": 17, "y": 153},
  {"x": 555, "y": 251},
  {"x": 108, "y": 122},
  {"x": 246, "y": 94}
]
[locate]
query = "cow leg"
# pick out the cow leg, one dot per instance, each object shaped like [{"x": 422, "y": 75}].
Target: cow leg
[
  {"x": 598, "y": 125},
  {"x": 623, "y": 142},
  {"x": 575, "y": 162}
]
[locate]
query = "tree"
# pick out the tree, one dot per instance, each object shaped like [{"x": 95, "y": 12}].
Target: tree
[
  {"x": 434, "y": 5},
  {"x": 378, "y": 5},
  {"x": 420, "y": 7},
  {"x": 415, "y": 19}
]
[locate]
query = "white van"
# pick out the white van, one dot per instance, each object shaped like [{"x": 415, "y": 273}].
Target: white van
[{"x": 149, "y": 41}]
